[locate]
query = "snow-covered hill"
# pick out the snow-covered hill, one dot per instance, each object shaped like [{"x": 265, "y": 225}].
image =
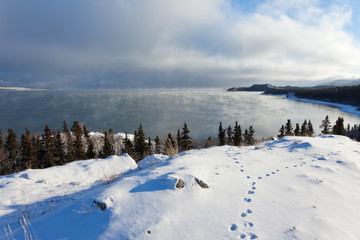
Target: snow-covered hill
[{"x": 293, "y": 188}]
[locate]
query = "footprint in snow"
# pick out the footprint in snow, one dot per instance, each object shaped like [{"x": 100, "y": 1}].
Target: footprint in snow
[
  {"x": 286, "y": 167},
  {"x": 259, "y": 177},
  {"x": 243, "y": 214},
  {"x": 253, "y": 188},
  {"x": 253, "y": 183},
  {"x": 249, "y": 211},
  {"x": 247, "y": 199},
  {"x": 272, "y": 172},
  {"x": 250, "y": 224},
  {"x": 247, "y": 176},
  {"x": 242, "y": 236},
  {"x": 267, "y": 174},
  {"x": 252, "y": 236},
  {"x": 277, "y": 170},
  {"x": 251, "y": 192},
  {"x": 233, "y": 227},
  {"x": 241, "y": 170},
  {"x": 295, "y": 165}
]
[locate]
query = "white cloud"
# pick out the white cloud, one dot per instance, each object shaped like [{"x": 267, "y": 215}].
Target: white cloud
[{"x": 207, "y": 39}]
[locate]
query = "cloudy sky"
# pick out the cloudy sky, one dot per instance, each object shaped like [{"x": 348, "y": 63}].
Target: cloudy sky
[{"x": 173, "y": 43}]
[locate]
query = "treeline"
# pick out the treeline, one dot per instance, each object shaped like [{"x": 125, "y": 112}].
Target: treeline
[
  {"x": 345, "y": 95},
  {"x": 307, "y": 129}
]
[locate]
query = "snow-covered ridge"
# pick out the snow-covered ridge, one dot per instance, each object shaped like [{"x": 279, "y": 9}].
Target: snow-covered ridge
[{"x": 292, "y": 188}]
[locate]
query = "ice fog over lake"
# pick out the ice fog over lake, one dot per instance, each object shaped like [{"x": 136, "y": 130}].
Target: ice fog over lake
[{"x": 159, "y": 110}]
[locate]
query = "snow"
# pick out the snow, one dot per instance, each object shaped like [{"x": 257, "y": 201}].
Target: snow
[
  {"x": 291, "y": 188},
  {"x": 342, "y": 107}
]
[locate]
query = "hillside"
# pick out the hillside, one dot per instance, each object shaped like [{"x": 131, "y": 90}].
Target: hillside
[{"x": 292, "y": 188}]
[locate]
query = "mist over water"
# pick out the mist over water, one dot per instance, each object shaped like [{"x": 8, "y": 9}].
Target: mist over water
[{"x": 159, "y": 110}]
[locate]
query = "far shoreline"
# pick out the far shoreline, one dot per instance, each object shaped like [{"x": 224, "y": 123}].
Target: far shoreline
[{"x": 342, "y": 107}]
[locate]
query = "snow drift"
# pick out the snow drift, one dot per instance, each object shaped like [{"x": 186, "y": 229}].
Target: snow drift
[{"x": 292, "y": 188}]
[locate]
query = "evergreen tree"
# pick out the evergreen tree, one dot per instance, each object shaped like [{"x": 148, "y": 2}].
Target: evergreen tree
[
  {"x": 140, "y": 144},
  {"x": 90, "y": 152},
  {"x": 157, "y": 145},
  {"x": 338, "y": 128},
  {"x": 230, "y": 137},
  {"x": 12, "y": 148},
  {"x": 238, "y": 137},
  {"x": 246, "y": 136},
  {"x": 129, "y": 147},
  {"x": 60, "y": 156},
  {"x": 107, "y": 149},
  {"x": 250, "y": 136},
  {"x": 310, "y": 129},
  {"x": 185, "y": 140},
  {"x": 221, "y": 135},
  {"x": 304, "y": 128},
  {"x": 39, "y": 151},
  {"x": 282, "y": 131},
  {"x": 178, "y": 140},
  {"x": 288, "y": 128},
  {"x": 297, "y": 130},
  {"x": 150, "y": 147},
  {"x": 78, "y": 143},
  {"x": 325, "y": 125},
  {"x": 27, "y": 149},
  {"x": 5, "y": 167},
  {"x": 48, "y": 149}
]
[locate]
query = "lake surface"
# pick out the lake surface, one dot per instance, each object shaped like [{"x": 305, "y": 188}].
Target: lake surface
[{"x": 159, "y": 110}]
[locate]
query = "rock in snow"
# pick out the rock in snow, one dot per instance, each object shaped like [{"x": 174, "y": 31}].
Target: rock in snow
[{"x": 292, "y": 188}]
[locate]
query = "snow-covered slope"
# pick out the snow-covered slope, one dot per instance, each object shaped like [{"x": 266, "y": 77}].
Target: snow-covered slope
[{"x": 293, "y": 188}]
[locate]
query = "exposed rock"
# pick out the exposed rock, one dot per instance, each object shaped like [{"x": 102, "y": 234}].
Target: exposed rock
[
  {"x": 100, "y": 205},
  {"x": 180, "y": 184},
  {"x": 201, "y": 183}
]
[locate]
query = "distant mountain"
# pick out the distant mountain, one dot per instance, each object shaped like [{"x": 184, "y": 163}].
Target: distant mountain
[
  {"x": 340, "y": 83},
  {"x": 255, "y": 87}
]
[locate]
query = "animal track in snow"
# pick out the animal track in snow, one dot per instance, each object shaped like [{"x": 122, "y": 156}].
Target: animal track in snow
[
  {"x": 233, "y": 227},
  {"x": 251, "y": 192},
  {"x": 259, "y": 177},
  {"x": 243, "y": 214},
  {"x": 249, "y": 211},
  {"x": 267, "y": 174},
  {"x": 253, "y": 188},
  {"x": 247, "y": 199}
]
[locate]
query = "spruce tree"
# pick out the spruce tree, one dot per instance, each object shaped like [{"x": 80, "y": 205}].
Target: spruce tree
[
  {"x": 246, "y": 136},
  {"x": 12, "y": 148},
  {"x": 129, "y": 147},
  {"x": 338, "y": 128},
  {"x": 27, "y": 149},
  {"x": 107, "y": 149},
  {"x": 48, "y": 149},
  {"x": 150, "y": 147},
  {"x": 140, "y": 144},
  {"x": 79, "y": 151},
  {"x": 230, "y": 137},
  {"x": 310, "y": 129},
  {"x": 221, "y": 135},
  {"x": 60, "y": 156},
  {"x": 282, "y": 131},
  {"x": 5, "y": 168},
  {"x": 288, "y": 128},
  {"x": 325, "y": 125},
  {"x": 178, "y": 140},
  {"x": 90, "y": 152},
  {"x": 297, "y": 130},
  {"x": 250, "y": 136},
  {"x": 304, "y": 128},
  {"x": 185, "y": 140},
  {"x": 157, "y": 145},
  {"x": 238, "y": 137}
]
